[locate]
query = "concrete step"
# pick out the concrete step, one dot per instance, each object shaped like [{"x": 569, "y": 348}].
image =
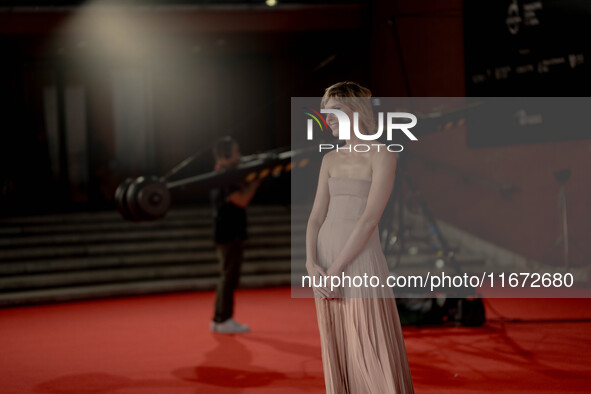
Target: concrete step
[
  {"x": 77, "y": 228},
  {"x": 429, "y": 259},
  {"x": 26, "y": 241},
  {"x": 112, "y": 215},
  {"x": 136, "y": 259},
  {"x": 78, "y": 293},
  {"x": 128, "y": 274},
  {"x": 93, "y": 238},
  {"x": 100, "y": 249}
]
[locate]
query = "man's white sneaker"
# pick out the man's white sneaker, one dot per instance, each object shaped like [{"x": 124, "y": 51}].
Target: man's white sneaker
[{"x": 229, "y": 326}]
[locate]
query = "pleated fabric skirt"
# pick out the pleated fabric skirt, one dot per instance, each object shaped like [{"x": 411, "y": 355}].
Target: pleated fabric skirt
[{"x": 363, "y": 349}]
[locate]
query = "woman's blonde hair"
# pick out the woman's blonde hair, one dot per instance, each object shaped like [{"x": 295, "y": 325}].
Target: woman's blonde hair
[{"x": 356, "y": 97}]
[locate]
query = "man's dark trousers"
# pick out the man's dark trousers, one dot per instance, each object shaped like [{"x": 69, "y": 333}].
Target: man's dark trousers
[{"x": 230, "y": 255}]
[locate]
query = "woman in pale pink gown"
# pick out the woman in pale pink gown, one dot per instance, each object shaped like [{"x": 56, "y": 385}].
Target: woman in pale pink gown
[{"x": 363, "y": 349}]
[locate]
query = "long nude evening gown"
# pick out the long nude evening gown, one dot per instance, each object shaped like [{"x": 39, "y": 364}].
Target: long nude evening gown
[{"x": 361, "y": 338}]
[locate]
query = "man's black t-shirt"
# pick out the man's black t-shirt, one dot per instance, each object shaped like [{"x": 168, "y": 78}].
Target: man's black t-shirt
[{"x": 229, "y": 219}]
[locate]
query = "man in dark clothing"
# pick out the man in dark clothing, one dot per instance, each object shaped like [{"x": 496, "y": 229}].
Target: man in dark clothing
[{"x": 229, "y": 204}]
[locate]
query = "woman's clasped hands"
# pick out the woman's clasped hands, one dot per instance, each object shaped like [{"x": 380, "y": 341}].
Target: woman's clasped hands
[{"x": 322, "y": 284}]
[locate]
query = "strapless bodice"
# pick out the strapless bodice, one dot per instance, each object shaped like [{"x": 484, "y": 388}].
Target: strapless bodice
[
  {"x": 348, "y": 186},
  {"x": 348, "y": 197}
]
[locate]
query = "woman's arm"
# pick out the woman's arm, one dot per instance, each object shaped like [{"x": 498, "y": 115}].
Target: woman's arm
[
  {"x": 318, "y": 213},
  {"x": 384, "y": 169}
]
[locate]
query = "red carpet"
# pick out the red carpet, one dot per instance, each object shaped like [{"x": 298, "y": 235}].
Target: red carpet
[{"x": 162, "y": 344}]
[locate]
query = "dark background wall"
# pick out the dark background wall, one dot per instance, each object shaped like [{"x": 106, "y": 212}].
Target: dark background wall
[
  {"x": 431, "y": 35},
  {"x": 94, "y": 95}
]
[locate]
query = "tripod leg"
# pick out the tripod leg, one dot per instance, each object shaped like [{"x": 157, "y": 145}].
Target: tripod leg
[
  {"x": 398, "y": 202},
  {"x": 386, "y": 222},
  {"x": 400, "y": 196},
  {"x": 562, "y": 199}
]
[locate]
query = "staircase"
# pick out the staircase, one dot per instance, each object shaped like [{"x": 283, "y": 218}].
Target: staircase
[
  {"x": 68, "y": 257},
  {"x": 56, "y": 258}
]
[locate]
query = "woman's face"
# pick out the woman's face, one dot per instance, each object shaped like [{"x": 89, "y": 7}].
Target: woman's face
[{"x": 331, "y": 119}]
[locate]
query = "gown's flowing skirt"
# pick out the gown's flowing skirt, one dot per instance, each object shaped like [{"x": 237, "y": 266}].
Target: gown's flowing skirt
[{"x": 362, "y": 345}]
